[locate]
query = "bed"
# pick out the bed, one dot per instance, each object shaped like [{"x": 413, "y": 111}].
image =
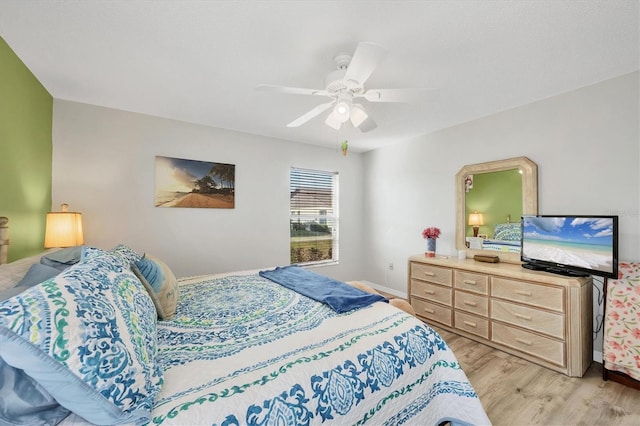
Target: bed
[
  {"x": 85, "y": 346},
  {"x": 506, "y": 238},
  {"x": 621, "y": 341}
]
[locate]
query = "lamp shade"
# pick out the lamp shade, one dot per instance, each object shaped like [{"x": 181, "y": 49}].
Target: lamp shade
[
  {"x": 476, "y": 219},
  {"x": 358, "y": 116},
  {"x": 64, "y": 229},
  {"x": 342, "y": 111}
]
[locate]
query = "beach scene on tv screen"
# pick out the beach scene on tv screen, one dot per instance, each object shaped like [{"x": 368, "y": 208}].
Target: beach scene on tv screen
[{"x": 577, "y": 241}]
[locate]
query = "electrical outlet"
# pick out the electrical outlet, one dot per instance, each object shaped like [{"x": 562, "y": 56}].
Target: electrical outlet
[{"x": 391, "y": 266}]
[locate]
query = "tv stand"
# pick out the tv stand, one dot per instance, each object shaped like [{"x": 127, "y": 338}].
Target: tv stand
[
  {"x": 533, "y": 267},
  {"x": 566, "y": 273},
  {"x": 552, "y": 270}
]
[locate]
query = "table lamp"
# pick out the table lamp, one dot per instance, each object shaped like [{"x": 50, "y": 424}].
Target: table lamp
[
  {"x": 64, "y": 228},
  {"x": 476, "y": 220}
]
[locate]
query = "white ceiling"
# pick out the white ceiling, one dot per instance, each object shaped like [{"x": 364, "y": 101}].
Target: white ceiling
[{"x": 199, "y": 61}]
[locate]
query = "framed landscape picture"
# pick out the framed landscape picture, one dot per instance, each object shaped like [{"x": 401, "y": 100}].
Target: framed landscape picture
[{"x": 193, "y": 183}]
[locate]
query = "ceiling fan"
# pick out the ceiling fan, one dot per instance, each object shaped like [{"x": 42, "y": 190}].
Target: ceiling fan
[{"x": 346, "y": 85}]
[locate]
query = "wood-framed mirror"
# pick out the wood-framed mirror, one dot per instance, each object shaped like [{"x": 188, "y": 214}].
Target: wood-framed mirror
[{"x": 493, "y": 190}]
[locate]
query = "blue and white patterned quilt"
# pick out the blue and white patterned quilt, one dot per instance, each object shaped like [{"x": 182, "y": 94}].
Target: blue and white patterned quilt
[{"x": 243, "y": 350}]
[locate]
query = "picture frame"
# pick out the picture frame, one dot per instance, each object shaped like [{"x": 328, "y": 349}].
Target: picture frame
[{"x": 194, "y": 184}]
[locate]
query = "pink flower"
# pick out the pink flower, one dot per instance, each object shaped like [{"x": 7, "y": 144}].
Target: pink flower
[
  {"x": 431, "y": 232},
  {"x": 636, "y": 333},
  {"x": 611, "y": 357},
  {"x": 615, "y": 316},
  {"x": 618, "y": 303}
]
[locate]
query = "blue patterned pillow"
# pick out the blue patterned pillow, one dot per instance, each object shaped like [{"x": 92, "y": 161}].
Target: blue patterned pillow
[
  {"x": 126, "y": 252},
  {"x": 507, "y": 231},
  {"x": 88, "y": 337}
]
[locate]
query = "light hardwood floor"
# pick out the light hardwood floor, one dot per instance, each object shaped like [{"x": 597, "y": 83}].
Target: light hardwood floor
[{"x": 516, "y": 392}]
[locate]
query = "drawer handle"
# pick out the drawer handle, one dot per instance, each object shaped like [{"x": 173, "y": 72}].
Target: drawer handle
[
  {"x": 470, "y": 282},
  {"x": 430, "y": 292},
  {"x": 429, "y": 311},
  {"x": 471, "y": 324},
  {"x": 524, "y": 317},
  {"x": 430, "y": 274},
  {"x": 523, "y": 293},
  {"x": 524, "y": 341},
  {"x": 470, "y": 303}
]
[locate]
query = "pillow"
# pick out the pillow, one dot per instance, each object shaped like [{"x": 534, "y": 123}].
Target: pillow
[
  {"x": 507, "y": 231},
  {"x": 37, "y": 274},
  {"x": 10, "y": 292},
  {"x": 63, "y": 258},
  {"x": 126, "y": 252},
  {"x": 11, "y": 273},
  {"x": 160, "y": 283},
  {"x": 24, "y": 401},
  {"x": 88, "y": 338}
]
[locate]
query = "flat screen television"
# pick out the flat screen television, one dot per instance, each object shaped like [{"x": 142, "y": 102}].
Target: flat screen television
[{"x": 571, "y": 245}]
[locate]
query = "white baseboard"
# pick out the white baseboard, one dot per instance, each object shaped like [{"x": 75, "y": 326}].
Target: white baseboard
[{"x": 379, "y": 287}]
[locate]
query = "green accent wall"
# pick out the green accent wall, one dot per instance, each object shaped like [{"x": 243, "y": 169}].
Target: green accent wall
[
  {"x": 495, "y": 195},
  {"x": 26, "y": 114}
]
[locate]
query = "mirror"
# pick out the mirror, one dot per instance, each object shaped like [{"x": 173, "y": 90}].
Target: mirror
[{"x": 498, "y": 225}]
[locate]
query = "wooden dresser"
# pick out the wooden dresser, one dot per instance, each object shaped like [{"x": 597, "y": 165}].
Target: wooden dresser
[{"x": 542, "y": 317}]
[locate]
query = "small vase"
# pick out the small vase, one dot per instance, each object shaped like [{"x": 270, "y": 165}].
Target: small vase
[{"x": 431, "y": 247}]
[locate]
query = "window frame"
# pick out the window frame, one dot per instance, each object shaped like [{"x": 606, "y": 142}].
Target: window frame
[{"x": 302, "y": 181}]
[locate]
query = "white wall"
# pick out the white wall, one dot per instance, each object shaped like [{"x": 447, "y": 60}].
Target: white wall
[
  {"x": 586, "y": 144},
  {"x": 104, "y": 167}
]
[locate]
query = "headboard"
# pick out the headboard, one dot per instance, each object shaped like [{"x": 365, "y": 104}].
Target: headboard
[{"x": 4, "y": 239}]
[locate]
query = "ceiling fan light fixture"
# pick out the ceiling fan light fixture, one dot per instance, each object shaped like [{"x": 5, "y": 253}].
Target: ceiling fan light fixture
[
  {"x": 358, "y": 115},
  {"x": 332, "y": 122},
  {"x": 342, "y": 111}
]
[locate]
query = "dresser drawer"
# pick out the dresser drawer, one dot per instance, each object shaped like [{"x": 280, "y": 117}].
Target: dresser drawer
[
  {"x": 434, "y": 292},
  {"x": 478, "y": 283},
  {"x": 472, "y": 324},
  {"x": 532, "y": 294},
  {"x": 430, "y": 273},
  {"x": 542, "y": 347},
  {"x": 472, "y": 303},
  {"x": 432, "y": 311},
  {"x": 533, "y": 319}
]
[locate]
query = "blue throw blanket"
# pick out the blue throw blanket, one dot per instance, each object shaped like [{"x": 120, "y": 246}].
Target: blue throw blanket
[{"x": 341, "y": 297}]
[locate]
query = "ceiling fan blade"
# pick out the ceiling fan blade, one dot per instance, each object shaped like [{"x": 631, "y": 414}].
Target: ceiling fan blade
[
  {"x": 309, "y": 115},
  {"x": 368, "y": 125},
  {"x": 400, "y": 95},
  {"x": 364, "y": 61},
  {"x": 291, "y": 90}
]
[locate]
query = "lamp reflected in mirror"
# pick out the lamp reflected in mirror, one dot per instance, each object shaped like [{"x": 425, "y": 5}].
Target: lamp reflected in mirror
[{"x": 476, "y": 220}]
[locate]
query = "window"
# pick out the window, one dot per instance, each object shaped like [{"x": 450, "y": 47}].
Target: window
[{"x": 314, "y": 216}]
